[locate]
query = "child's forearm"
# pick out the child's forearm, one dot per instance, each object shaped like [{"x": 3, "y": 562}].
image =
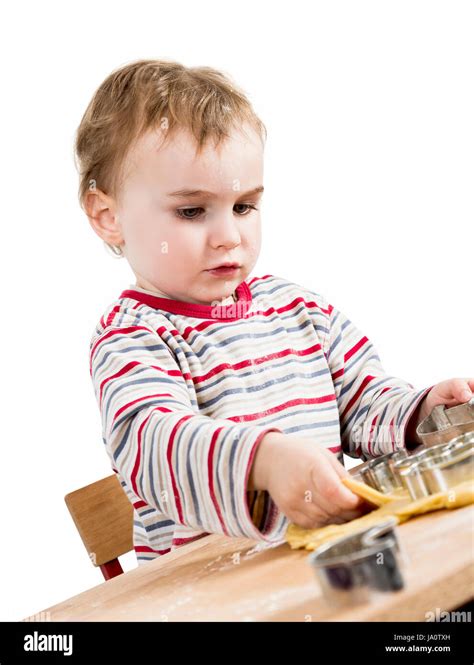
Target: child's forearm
[{"x": 257, "y": 477}]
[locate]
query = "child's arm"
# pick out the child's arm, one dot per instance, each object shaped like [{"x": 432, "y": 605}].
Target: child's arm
[
  {"x": 191, "y": 467},
  {"x": 374, "y": 408},
  {"x": 304, "y": 481}
]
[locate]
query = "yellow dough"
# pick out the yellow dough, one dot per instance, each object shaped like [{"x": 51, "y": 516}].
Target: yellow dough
[
  {"x": 366, "y": 492},
  {"x": 399, "y": 505}
]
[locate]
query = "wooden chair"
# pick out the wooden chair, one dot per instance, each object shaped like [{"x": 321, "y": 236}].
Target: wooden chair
[{"x": 103, "y": 515}]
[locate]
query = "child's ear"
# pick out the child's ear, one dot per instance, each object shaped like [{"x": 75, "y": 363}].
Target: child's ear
[{"x": 101, "y": 212}]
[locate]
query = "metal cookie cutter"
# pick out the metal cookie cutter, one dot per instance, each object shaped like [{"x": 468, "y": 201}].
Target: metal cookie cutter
[
  {"x": 438, "y": 468},
  {"x": 430, "y": 468},
  {"x": 380, "y": 473},
  {"x": 358, "y": 567},
  {"x": 443, "y": 425}
]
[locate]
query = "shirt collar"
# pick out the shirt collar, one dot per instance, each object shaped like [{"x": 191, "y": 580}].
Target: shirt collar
[{"x": 227, "y": 311}]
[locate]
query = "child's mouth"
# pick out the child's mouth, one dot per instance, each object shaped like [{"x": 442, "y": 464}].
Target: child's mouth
[{"x": 225, "y": 271}]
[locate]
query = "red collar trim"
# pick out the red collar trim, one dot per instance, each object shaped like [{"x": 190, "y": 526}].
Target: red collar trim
[{"x": 231, "y": 312}]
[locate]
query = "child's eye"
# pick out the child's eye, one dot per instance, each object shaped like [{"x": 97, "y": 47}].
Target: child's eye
[
  {"x": 249, "y": 207},
  {"x": 183, "y": 212}
]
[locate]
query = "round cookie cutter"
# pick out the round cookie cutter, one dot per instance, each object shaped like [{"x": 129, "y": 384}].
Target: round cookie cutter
[
  {"x": 380, "y": 472},
  {"x": 427, "y": 470},
  {"x": 359, "y": 567},
  {"x": 438, "y": 468}
]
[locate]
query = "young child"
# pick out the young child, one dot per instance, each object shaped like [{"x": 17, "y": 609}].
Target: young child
[{"x": 226, "y": 402}]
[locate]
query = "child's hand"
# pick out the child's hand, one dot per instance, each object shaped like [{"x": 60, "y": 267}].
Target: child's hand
[
  {"x": 304, "y": 481},
  {"x": 450, "y": 393}
]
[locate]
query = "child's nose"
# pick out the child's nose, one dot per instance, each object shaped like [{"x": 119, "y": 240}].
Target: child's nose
[{"x": 224, "y": 231}]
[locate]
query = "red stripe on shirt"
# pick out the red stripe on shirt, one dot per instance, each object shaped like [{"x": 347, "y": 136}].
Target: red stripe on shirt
[
  {"x": 281, "y": 407},
  {"x": 210, "y": 471},
  {"x": 112, "y": 333},
  {"x": 145, "y": 548},
  {"x": 359, "y": 392},
  {"x": 176, "y": 542},
  {"x": 135, "y": 401},
  {"x": 372, "y": 428},
  {"x": 169, "y": 457},
  {"x": 355, "y": 348},
  {"x": 253, "y": 361},
  {"x": 392, "y": 438}
]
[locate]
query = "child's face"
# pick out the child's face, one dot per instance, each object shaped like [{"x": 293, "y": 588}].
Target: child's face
[{"x": 172, "y": 253}]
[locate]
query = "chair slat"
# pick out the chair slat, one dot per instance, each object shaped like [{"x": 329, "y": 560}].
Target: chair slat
[{"x": 103, "y": 516}]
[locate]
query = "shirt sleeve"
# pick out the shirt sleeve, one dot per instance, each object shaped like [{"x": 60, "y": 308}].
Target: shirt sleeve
[
  {"x": 374, "y": 408},
  {"x": 189, "y": 466}
]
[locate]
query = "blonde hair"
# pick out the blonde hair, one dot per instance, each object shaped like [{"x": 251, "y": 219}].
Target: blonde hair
[{"x": 148, "y": 94}]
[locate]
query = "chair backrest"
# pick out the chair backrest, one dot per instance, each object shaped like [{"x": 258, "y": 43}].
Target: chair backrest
[{"x": 103, "y": 515}]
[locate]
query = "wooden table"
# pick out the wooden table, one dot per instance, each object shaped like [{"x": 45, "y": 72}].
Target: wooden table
[{"x": 218, "y": 578}]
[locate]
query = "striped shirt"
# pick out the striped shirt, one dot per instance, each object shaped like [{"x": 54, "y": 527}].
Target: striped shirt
[{"x": 187, "y": 391}]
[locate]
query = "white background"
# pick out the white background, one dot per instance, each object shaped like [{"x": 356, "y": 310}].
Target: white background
[{"x": 369, "y": 178}]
